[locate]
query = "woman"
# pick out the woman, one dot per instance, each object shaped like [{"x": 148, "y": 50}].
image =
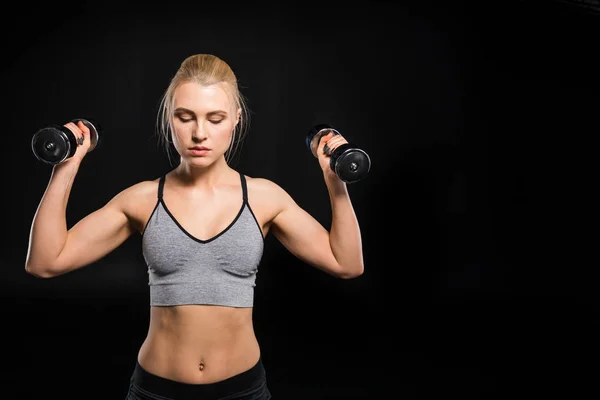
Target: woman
[{"x": 203, "y": 226}]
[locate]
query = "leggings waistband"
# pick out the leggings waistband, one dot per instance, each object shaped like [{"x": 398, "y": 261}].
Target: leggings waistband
[{"x": 169, "y": 388}]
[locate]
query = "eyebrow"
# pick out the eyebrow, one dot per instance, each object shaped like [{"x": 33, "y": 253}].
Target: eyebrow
[{"x": 211, "y": 113}]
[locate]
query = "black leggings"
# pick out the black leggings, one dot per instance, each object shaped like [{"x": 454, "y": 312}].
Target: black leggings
[{"x": 248, "y": 385}]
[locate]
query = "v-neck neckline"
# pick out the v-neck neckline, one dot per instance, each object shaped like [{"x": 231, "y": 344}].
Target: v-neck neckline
[{"x": 180, "y": 226}]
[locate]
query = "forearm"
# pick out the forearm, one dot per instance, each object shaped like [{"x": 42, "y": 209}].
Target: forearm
[
  {"x": 48, "y": 232},
  {"x": 344, "y": 235}
]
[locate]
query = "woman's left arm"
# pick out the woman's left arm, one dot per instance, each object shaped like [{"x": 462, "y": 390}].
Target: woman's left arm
[{"x": 337, "y": 251}]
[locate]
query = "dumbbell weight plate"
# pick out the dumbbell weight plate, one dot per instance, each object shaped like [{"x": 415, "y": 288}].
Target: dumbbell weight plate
[
  {"x": 350, "y": 163},
  {"x": 55, "y": 143}
]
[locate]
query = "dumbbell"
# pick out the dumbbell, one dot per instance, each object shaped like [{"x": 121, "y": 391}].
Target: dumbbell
[
  {"x": 349, "y": 162},
  {"x": 56, "y": 143}
]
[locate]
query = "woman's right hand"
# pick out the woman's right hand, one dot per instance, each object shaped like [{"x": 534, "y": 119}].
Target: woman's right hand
[{"x": 79, "y": 130}]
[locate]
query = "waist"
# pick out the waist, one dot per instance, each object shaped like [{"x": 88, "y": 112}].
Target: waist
[{"x": 199, "y": 344}]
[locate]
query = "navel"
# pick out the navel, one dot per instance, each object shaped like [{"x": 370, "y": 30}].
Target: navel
[{"x": 201, "y": 366}]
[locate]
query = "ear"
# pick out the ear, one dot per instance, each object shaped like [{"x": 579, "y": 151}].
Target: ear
[{"x": 238, "y": 116}]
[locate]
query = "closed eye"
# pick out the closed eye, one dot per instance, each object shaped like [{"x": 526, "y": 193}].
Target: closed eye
[{"x": 183, "y": 118}]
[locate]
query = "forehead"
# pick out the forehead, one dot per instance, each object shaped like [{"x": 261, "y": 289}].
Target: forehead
[{"x": 200, "y": 98}]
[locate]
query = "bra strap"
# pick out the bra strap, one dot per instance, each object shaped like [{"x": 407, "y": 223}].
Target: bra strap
[
  {"x": 244, "y": 188},
  {"x": 161, "y": 185}
]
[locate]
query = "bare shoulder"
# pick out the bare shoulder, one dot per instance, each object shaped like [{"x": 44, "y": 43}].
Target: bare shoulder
[
  {"x": 137, "y": 192},
  {"x": 266, "y": 190},
  {"x": 267, "y": 198},
  {"x": 137, "y": 201}
]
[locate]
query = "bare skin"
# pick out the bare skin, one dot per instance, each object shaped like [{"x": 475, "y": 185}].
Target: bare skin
[
  {"x": 198, "y": 343},
  {"x": 195, "y": 343}
]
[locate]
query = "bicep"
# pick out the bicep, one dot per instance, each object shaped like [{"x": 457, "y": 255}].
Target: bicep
[
  {"x": 304, "y": 236},
  {"x": 93, "y": 237}
]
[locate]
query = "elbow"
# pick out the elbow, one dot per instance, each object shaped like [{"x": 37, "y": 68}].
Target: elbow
[
  {"x": 351, "y": 273},
  {"x": 40, "y": 271}
]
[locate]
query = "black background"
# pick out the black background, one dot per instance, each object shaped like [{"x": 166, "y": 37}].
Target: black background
[{"x": 478, "y": 217}]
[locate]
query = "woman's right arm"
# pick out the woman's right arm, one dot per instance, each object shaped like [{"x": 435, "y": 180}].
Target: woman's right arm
[{"x": 53, "y": 249}]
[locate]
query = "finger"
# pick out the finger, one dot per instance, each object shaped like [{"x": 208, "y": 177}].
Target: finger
[
  {"x": 329, "y": 148},
  {"x": 333, "y": 144},
  {"x": 84, "y": 129},
  {"x": 73, "y": 128},
  {"x": 336, "y": 141},
  {"x": 80, "y": 131},
  {"x": 324, "y": 139},
  {"x": 85, "y": 133}
]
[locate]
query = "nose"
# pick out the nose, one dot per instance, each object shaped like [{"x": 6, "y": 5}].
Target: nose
[{"x": 199, "y": 133}]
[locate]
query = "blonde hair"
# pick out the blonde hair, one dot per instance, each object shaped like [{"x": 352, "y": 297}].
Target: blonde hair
[{"x": 204, "y": 69}]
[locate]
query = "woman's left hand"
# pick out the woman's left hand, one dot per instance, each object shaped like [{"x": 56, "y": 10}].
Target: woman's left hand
[{"x": 327, "y": 145}]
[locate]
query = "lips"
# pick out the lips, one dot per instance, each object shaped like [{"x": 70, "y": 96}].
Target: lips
[{"x": 199, "y": 151}]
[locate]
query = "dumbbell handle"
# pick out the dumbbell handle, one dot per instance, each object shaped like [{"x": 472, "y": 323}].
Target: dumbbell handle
[{"x": 313, "y": 139}]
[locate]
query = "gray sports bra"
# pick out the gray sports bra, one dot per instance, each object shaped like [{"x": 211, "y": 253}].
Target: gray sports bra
[{"x": 183, "y": 269}]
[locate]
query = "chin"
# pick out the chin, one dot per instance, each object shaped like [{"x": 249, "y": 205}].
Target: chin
[{"x": 199, "y": 162}]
